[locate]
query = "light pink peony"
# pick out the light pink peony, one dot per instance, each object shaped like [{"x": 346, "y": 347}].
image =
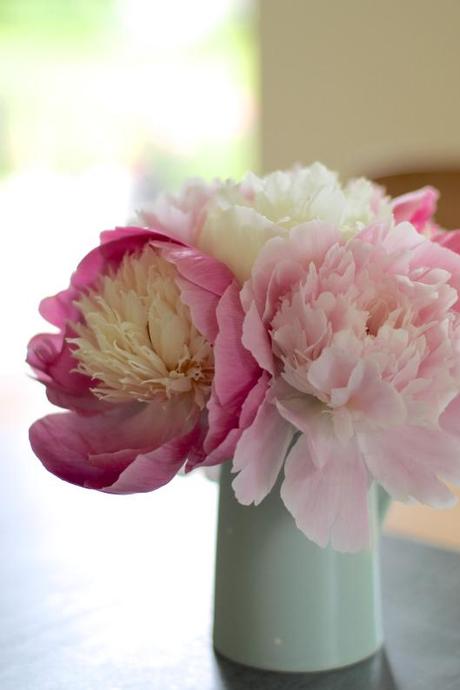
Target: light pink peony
[
  {"x": 132, "y": 361},
  {"x": 357, "y": 345},
  {"x": 181, "y": 215}
]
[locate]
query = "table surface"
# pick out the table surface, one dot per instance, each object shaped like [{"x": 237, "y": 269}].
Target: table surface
[{"x": 102, "y": 592}]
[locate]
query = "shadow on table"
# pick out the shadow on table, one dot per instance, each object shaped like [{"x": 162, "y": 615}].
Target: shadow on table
[{"x": 373, "y": 674}]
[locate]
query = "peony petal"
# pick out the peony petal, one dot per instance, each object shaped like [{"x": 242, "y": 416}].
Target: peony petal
[
  {"x": 236, "y": 370},
  {"x": 59, "y": 441},
  {"x": 202, "y": 281},
  {"x": 202, "y": 305},
  {"x": 181, "y": 214},
  {"x": 199, "y": 269},
  {"x": 51, "y": 358},
  {"x": 284, "y": 275},
  {"x": 330, "y": 503},
  {"x": 254, "y": 400},
  {"x": 224, "y": 451},
  {"x": 235, "y": 236},
  {"x": 60, "y": 308},
  {"x": 84, "y": 404},
  {"x": 91, "y": 451},
  {"x": 129, "y": 232},
  {"x": 41, "y": 350},
  {"x": 308, "y": 416},
  {"x": 221, "y": 420},
  {"x": 284, "y": 260},
  {"x": 410, "y": 461},
  {"x": 394, "y": 240},
  {"x": 449, "y": 239},
  {"x": 313, "y": 240},
  {"x": 433, "y": 254},
  {"x": 150, "y": 470},
  {"x": 256, "y": 339},
  {"x": 374, "y": 399},
  {"x": 260, "y": 454},
  {"x": 332, "y": 369},
  {"x": 416, "y": 207},
  {"x": 226, "y": 426}
]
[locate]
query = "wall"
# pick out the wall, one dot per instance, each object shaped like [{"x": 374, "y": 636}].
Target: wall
[{"x": 366, "y": 87}]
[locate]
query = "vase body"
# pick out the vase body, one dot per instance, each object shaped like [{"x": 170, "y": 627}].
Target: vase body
[{"x": 281, "y": 602}]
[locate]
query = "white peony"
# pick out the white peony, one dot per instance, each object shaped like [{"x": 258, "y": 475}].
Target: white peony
[{"x": 241, "y": 218}]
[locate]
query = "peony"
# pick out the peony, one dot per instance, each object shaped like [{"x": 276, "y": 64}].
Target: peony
[
  {"x": 418, "y": 208},
  {"x": 133, "y": 362},
  {"x": 357, "y": 345},
  {"x": 180, "y": 215},
  {"x": 302, "y": 327},
  {"x": 241, "y": 218}
]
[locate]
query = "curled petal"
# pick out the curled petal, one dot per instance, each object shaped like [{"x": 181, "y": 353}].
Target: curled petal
[
  {"x": 155, "y": 468},
  {"x": 329, "y": 503},
  {"x": 197, "y": 268},
  {"x": 256, "y": 339},
  {"x": 417, "y": 207},
  {"x": 227, "y": 425},
  {"x": 240, "y": 371},
  {"x": 305, "y": 413},
  {"x": 371, "y": 398},
  {"x": 180, "y": 215},
  {"x": 92, "y": 451},
  {"x": 227, "y": 230},
  {"x": 449, "y": 239},
  {"x": 202, "y": 281},
  {"x": 283, "y": 261},
  {"x": 260, "y": 454},
  {"x": 51, "y": 358}
]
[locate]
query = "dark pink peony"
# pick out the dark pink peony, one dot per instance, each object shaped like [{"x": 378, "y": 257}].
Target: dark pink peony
[
  {"x": 132, "y": 361},
  {"x": 418, "y": 208}
]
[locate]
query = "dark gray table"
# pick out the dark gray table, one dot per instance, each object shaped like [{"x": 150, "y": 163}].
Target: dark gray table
[{"x": 115, "y": 593}]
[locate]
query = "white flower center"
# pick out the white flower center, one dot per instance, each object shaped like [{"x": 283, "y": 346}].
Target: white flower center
[
  {"x": 241, "y": 218},
  {"x": 137, "y": 339}
]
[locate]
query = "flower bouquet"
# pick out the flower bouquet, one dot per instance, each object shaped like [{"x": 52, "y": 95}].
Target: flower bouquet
[{"x": 304, "y": 333}]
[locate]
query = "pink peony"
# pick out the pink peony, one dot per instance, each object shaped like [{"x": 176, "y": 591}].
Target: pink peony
[
  {"x": 449, "y": 239},
  {"x": 358, "y": 375},
  {"x": 181, "y": 215},
  {"x": 132, "y": 361},
  {"x": 418, "y": 208}
]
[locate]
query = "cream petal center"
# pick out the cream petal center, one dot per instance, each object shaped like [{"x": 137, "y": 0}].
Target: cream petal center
[{"x": 137, "y": 339}]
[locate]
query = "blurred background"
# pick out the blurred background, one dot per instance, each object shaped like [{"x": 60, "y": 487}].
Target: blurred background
[{"x": 104, "y": 103}]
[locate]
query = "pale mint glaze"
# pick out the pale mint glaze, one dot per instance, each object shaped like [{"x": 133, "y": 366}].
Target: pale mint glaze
[{"x": 281, "y": 602}]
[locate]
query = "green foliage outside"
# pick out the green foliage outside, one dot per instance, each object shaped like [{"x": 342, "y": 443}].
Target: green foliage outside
[{"x": 60, "y": 106}]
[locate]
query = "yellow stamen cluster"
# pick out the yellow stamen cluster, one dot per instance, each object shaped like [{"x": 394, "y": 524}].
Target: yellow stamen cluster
[{"x": 137, "y": 338}]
